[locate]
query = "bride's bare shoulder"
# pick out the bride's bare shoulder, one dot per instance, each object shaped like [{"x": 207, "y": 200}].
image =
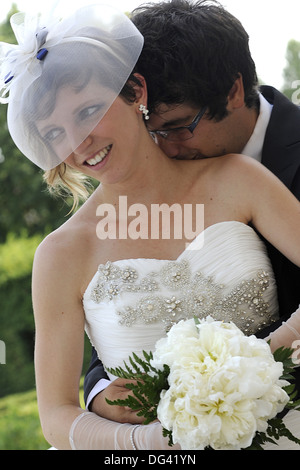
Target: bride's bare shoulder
[
  {"x": 66, "y": 248},
  {"x": 234, "y": 166}
]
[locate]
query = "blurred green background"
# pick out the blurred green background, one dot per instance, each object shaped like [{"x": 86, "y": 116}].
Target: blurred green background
[{"x": 27, "y": 214}]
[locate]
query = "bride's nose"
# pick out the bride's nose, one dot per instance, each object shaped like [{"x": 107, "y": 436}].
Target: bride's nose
[{"x": 84, "y": 145}]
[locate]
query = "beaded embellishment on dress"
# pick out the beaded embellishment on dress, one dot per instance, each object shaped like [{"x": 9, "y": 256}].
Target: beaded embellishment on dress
[{"x": 174, "y": 293}]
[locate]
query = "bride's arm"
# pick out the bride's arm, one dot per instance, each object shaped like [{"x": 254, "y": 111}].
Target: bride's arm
[
  {"x": 268, "y": 205},
  {"x": 59, "y": 325},
  {"x": 59, "y": 321},
  {"x": 275, "y": 212}
]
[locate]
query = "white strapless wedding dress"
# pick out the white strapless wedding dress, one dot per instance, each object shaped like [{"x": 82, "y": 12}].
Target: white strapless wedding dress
[{"x": 225, "y": 273}]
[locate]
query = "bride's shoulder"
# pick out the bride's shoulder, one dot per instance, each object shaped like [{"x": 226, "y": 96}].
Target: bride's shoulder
[
  {"x": 238, "y": 166},
  {"x": 236, "y": 160},
  {"x": 63, "y": 249}
]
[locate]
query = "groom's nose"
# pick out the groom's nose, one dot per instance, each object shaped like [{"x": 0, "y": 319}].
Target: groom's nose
[
  {"x": 175, "y": 149},
  {"x": 171, "y": 149}
]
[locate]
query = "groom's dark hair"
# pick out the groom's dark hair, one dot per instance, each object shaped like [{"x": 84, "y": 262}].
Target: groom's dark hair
[{"x": 194, "y": 52}]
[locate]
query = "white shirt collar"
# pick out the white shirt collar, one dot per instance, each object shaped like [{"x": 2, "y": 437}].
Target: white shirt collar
[{"x": 255, "y": 144}]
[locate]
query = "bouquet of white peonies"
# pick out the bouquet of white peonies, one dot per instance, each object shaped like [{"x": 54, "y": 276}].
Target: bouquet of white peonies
[{"x": 212, "y": 387}]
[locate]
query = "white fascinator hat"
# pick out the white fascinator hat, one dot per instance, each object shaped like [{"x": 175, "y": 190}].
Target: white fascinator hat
[{"x": 63, "y": 76}]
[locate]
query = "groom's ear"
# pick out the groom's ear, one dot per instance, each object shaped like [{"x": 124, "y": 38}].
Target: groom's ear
[
  {"x": 140, "y": 88},
  {"x": 236, "y": 97}
]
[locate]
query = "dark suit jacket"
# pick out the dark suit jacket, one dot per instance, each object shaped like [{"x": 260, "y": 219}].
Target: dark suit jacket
[{"x": 281, "y": 155}]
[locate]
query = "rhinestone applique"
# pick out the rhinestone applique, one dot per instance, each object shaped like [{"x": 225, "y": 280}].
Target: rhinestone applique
[
  {"x": 174, "y": 293},
  {"x": 112, "y": 281}
]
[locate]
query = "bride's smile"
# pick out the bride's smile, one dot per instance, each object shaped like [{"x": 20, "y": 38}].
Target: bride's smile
[{"x": 98, "y": 157}]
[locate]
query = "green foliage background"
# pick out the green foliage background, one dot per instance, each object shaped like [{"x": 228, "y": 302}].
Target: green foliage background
[
  {"x": 19, "y": 423},
  {"x": 20, "y": 427}
]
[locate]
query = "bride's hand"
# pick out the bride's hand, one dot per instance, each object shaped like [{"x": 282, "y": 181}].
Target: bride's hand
[
  {"x": 122, "y": 414},
  {"x": 288, "y": 334}
]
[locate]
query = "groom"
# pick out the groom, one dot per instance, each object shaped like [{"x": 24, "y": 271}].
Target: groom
[{"x": 196, "y": 56}]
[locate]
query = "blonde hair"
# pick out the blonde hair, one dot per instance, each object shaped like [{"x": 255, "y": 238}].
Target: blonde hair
[{"x": 64, "y": 180}]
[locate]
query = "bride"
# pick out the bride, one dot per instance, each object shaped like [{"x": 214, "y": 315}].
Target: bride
[{"x": 76, "y": 109}]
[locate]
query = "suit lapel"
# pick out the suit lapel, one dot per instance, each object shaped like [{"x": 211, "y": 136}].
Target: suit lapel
[{"x": 281, "y": 149}]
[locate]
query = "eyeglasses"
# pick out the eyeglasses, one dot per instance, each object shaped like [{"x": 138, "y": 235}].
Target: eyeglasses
[{"x": 179, "y": 134}]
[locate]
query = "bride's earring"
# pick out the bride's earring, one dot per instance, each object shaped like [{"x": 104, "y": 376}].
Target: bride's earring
[{"x": 145, "y": 111}]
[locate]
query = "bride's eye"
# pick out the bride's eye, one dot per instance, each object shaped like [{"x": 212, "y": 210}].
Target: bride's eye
[
  {"x": 89, "y": 111},
  {"x": 54, "y": 134}
]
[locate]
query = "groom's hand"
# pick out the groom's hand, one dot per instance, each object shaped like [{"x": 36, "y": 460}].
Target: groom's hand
[{"x": 116, "y": 390}]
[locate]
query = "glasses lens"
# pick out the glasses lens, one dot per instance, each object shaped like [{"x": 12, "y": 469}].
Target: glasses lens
[{"x": 178, "y": 135}]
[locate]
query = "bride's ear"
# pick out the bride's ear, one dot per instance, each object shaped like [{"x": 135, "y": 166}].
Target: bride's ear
[{"x": 140, "y": 89}]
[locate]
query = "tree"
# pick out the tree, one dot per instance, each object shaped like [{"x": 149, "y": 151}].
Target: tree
[{"x": 291, "y": 72}]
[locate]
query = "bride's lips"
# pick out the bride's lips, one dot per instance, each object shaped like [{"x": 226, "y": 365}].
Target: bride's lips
[{"x": 95, "y": 160}]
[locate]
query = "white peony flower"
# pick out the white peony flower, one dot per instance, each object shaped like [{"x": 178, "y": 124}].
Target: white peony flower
[{"x": 224, "y": 386}]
